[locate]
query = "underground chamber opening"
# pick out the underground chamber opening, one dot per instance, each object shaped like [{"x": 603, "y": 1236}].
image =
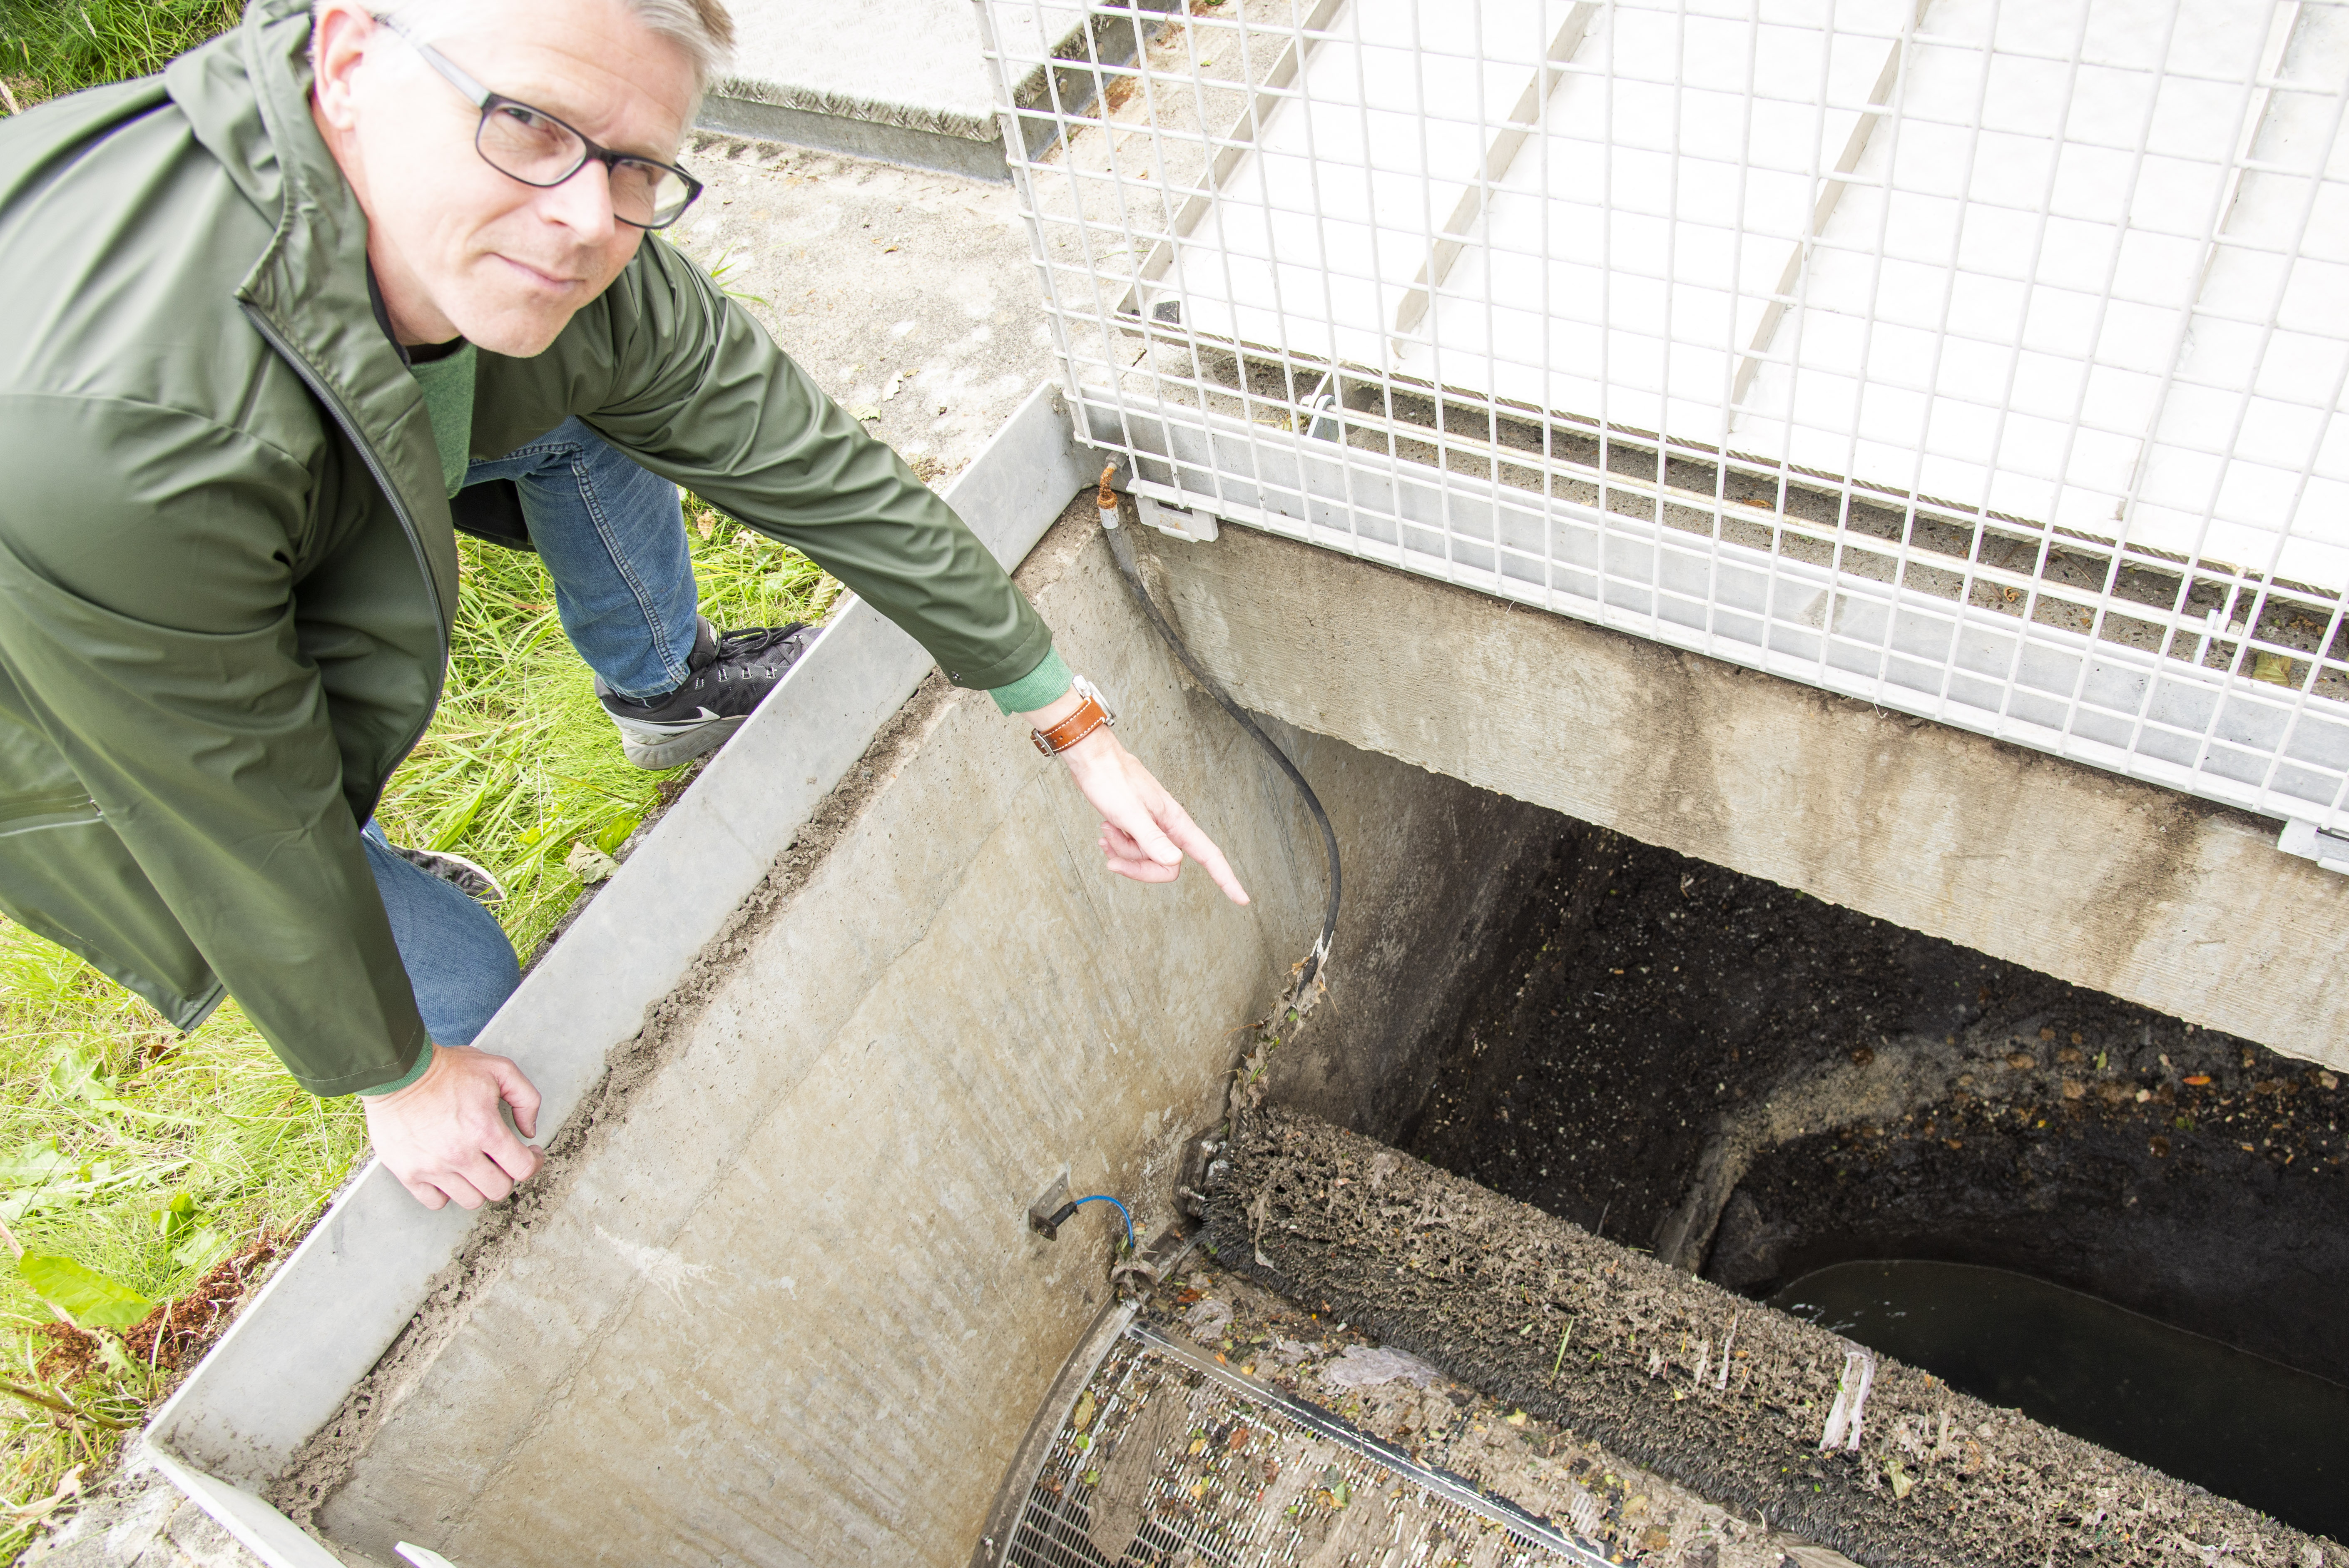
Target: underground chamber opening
[{"x": 2128, "y": 1227}]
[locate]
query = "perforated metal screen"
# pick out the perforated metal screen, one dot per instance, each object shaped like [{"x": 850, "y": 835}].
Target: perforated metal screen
[
  {"x": 1983, "y": 359},
  {"x": 1170, "y": 1458}
]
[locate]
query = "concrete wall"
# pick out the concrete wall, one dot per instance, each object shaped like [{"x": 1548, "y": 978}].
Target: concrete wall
[
  {"x": 2126, "y": 887},
  {"x": 779, "y": 1304},
  {"x": 1436, "y": 874}
]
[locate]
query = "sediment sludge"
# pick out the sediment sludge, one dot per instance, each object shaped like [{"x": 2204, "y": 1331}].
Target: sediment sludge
[{"x": 1668, "y": 1094}]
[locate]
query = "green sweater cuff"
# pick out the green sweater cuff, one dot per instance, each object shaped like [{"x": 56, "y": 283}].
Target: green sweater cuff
[
  {"x": 423, "y": 1062},
  {"x": 1045, "y": 683}
]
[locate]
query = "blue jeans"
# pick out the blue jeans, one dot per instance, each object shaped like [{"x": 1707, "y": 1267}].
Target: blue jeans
[
  {"x": 612, "y": 536},
  {"x": 458, "y": 959}
]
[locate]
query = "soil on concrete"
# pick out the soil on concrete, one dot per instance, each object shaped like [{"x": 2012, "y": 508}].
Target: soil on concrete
[
  {"x": 1755, "y": 1084},
  {"x": 1731, "y": 1399}
]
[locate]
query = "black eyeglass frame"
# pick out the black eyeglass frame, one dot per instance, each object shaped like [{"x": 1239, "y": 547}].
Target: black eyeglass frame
[{"x": 592, "y": 151}]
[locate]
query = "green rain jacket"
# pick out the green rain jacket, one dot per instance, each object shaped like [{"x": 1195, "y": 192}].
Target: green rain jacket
[{"x": 227, "y": 569}]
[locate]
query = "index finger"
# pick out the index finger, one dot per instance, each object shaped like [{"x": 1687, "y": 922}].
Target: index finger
[
  {"x": 424, "y": 1193},
  {"x": 459, "y": 1191},
  {"x": 1193, "y": 841}
]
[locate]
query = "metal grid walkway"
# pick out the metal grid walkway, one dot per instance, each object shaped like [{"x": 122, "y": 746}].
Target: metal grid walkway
[{"x": 1981, "y": 360}]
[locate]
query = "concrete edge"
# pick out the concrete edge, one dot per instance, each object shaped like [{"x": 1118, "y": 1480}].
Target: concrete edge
[
  {"x": 257, "y": 1527},
  {"x": 854, "y": 135},
  {"x": 973, "y": 127},
  {"x": 978, "y": 124},
  {"x": 329, "y": 1312}
]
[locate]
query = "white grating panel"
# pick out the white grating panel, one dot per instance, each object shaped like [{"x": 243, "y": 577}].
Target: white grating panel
[{"x": 1979, "y": 358}]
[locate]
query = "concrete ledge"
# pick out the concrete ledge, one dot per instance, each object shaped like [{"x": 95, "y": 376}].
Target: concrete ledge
[
  {"x": 329, "y": 1312},
  {"x": 855, "y": 137},
  {"x": 2126, "y": 888}
]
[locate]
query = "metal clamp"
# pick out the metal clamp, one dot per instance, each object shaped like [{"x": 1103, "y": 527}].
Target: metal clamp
[{"x": 2305, "y": 839}]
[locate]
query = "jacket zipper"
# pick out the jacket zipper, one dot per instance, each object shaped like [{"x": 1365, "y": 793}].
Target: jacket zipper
[{"x": 350, "y": 428}]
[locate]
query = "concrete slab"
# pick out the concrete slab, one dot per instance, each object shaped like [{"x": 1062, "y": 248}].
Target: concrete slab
[
  {"x": 323, "y": 1318},
  {"x": 871, "y": 276}
]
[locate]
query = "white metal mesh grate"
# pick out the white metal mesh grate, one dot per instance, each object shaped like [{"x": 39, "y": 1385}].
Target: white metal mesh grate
[
  {"x": 1979, "y": 358},
  {"x": 1169, "y": 1458}
]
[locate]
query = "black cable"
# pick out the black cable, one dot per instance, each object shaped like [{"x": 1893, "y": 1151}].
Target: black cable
[{"x": 1120, "y": 550}]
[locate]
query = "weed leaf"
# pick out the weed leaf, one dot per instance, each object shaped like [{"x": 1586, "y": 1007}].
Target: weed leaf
[
  {"x": 79, "y": 1073},
  {"x": 201, "y": 1249},
  {"x": 93, "y": 1300},
  {"x": 176, "y": 1219}
]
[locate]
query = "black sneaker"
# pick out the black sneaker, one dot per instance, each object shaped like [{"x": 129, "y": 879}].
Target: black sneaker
[
  {"x": 732, "y": 674},
  {"x": 470, "y": 878}
]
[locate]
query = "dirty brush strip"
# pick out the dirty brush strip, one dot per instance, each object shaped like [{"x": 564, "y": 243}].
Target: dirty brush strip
[{"x": 1753, "y": 1408}]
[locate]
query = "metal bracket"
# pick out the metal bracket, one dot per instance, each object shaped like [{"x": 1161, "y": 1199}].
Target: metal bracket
[
  {"x": 2305, "y": 839},
  {"x": 1049, "y": 1204},
  {"x": 1191, "y": 527},
  {"x": 1203, "y": 1165}
]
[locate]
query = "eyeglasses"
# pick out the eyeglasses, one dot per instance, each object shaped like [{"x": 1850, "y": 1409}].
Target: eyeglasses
[{"x": 535, "y": 148}]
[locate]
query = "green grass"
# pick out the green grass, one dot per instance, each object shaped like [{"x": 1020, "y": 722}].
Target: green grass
[
  {"x": 52, "y": 47},
  {"x": 520, "y": 766}
]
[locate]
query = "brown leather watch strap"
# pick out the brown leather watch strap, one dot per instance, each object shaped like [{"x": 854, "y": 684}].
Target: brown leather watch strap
[{"x": 1089, "y": 716}]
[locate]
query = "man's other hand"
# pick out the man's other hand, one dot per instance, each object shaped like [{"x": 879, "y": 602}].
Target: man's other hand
[{"x": 442, "y": 1134}]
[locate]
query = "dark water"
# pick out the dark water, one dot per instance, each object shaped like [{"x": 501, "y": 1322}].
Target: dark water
[{"x": 2237, "y": 1424}]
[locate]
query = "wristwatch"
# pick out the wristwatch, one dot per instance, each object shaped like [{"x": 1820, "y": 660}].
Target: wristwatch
[{"x": 1092, "y": 714}]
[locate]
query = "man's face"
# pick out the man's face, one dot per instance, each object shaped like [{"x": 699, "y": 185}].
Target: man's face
[{"x": 458, "y": 247}]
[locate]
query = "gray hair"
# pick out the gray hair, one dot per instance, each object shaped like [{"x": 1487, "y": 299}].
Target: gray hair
[{"x": 701, "y": 28}]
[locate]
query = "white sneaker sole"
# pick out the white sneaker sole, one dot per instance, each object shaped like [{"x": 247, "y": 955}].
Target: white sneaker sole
[{"x": 654, "y": 747}]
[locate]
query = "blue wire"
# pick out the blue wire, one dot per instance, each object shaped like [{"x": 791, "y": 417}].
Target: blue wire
[{"x": 1105, "y": 1197}]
